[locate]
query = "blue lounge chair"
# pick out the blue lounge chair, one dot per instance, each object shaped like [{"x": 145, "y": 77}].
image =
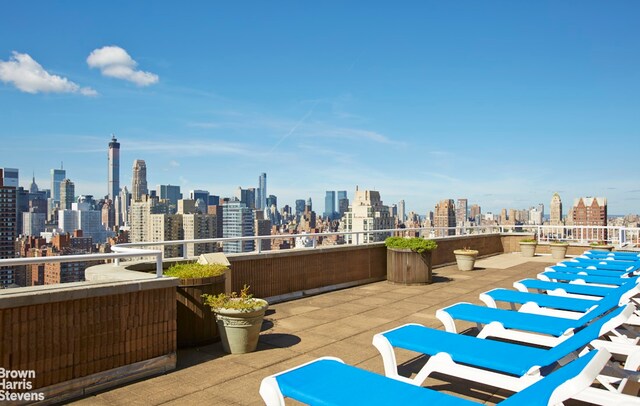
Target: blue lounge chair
[
  {"x": 589, "y": 271},
  {"x": 621, "y": 255},
  {"x": 580, "y": 291},
  {"x": 501, "y": 364},
  {"x": 546, "y": 327},
  {"x": 329, "y": 381},
  {"x": 578, "y": 278},
  {"x": 538, "y": 301},
  {"x": 561, "y": 288},
  {"x": 601, "y": 264}
]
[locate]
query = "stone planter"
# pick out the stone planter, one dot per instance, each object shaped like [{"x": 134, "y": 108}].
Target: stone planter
[
  {"x": 408, "y": 267},
  {"x": 606, "y": 247},
  {"x": 465, "y": 259},
  {"x": 240, "y": 330},
  {"x": 558, "y": 251},
  {"x": 195, "y": 321},
  {"x": 528, "y": 249}
]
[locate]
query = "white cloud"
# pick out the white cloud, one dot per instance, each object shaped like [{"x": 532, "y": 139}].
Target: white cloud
[
  {"x": 26, "y": 74},
  {"x": 115, "y": 62}
]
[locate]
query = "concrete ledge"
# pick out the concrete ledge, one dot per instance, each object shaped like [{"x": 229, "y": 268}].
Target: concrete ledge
[{"x": 35, "y": 295}]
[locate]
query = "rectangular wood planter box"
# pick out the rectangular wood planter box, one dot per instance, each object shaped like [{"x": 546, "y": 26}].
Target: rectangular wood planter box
[
  {"x": 196, "y": 321},
  {"x": 407, "y": 267}
]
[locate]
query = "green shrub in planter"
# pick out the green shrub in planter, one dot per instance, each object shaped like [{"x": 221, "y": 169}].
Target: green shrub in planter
[
  {"x": 416, "y": 244},
  {"x": 196, "y": 325},
  {"x": 239, "y": 318},
  {"x": 195, "y": 270}
]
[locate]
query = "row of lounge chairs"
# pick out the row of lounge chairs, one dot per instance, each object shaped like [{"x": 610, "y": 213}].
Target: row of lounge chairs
[{"x": 574, "y": 325}]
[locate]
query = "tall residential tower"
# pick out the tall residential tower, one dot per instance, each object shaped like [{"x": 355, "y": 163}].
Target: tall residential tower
[
  {"x": 114, "y": 168},
  {"x": 261, "y": 193}
]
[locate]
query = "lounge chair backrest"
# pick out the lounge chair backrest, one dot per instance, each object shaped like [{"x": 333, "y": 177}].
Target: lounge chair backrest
[
  {"x": 562, "y": 383},
  {"x": 607, "y": 303},
  {"x": 584, "y": 336}
]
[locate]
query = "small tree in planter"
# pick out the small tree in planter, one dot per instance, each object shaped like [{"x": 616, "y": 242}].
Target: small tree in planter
[
  {"x": 466, "y": 258},
  {"x": 528, "y": 247},
  {"x": 239, "y": 318},
  {"x": 409, "y": 260},
  {"x": 558, "y": 249},
  {"x": 195, "y": 323}
]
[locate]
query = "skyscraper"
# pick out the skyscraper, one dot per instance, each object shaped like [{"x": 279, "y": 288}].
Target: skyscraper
[
  {"x": 556, "y": 210},
  {"x": 139, "y": 180},
  {"x": 445, "y": 216},
  {"x": 261, "y": 193},
  {"x": 57, "y": 176},
  {"x": 401, "y": 211},
  {"x": 33, "y": 187},
  {"x": 8, "y": 221},
  {"x": 247, "y": 196},
  {"x": 114, "y": 168},
  {"x": 462, "y": 212},
  {"x": 343, "y": 202},
  {"x": 237, "y": 221},
  {"x": 170, "y": 193},
  {"x": 67, "y": 194},
  {"x": 299, "y": 207},
  {"x": 329, "y": 204}
]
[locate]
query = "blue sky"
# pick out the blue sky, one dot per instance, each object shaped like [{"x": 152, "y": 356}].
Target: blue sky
[{"x": 501, "y": 102}]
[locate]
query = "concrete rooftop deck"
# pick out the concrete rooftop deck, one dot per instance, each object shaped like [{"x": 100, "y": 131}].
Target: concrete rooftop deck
[{"x": 340, "y": 324}]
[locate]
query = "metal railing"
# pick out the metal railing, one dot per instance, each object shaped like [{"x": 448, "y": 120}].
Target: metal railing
[{"x": 619, "y": 236}]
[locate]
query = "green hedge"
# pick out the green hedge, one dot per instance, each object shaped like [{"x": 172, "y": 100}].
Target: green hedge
[
  {"x": 416, "y": 244},
  {"x": 195, "y": 270}
]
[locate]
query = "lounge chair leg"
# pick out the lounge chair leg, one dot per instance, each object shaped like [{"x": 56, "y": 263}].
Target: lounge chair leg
[
  {"x": 488, "y": 300},
  {"x": 447, "y": 320},
  {"x": 388, "y": 356},
  {"x": 270, "y": 392}
]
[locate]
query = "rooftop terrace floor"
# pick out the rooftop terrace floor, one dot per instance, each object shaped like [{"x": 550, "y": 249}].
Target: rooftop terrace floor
[{"x": 341, "y": 324}]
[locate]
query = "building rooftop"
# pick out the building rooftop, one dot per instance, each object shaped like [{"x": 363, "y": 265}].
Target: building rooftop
[{"x": 341, "y": 324}]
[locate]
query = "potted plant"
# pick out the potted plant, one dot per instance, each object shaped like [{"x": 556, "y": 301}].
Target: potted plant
[
  {"x": 239, "y": 318},
  {"x": 558, "y": 249},
  {"x": 528, "y": 247},
  {"x": 409, "y": 260},
  {"x": 465, "y": 258},
  {"x": 600, "y": 246},
  {"x": 195, "y": 323}
]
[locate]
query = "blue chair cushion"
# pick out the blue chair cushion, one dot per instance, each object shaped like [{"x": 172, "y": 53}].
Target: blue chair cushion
[
  {"x": 556, "y": 302},
  {"x": 329, "y": 382},
  {"x": 536, "y": 323}
]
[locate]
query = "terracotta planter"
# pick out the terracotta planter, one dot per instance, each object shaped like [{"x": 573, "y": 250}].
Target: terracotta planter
[
  {"x": 528, "y": 249},
  {"x": 240, "y": 330},
  {"x": 465, "y": 259},
  {"x": 558, "y": 251},
  {"x": 408, "y": 267}
]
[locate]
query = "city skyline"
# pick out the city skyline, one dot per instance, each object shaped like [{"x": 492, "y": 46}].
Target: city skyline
[{"x": 503, "y": 104}]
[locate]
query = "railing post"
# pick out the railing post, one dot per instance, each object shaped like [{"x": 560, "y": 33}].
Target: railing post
[
  {"x": 258, "y": 245},
  {"x": 184, "y": 251},
  {"x": 314, "y": 241},
  {"x": 159, "y": 271},
  {"x": 357, "y": 239},
  {"x": 116, "y": 262}
]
